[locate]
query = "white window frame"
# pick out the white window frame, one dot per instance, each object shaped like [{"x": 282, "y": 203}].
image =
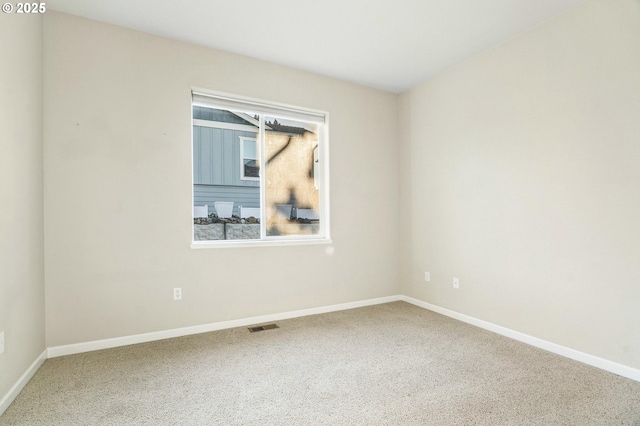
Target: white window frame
[
  {"x": 321, "y": 181},
  {"x": 316, "y": 173},
  {"x": 243, "y": 157}
]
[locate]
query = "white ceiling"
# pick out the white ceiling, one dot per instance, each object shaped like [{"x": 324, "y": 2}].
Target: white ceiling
[{"x": 385, "y": 44}]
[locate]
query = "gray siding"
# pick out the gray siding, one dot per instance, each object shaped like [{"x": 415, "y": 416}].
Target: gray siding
[
  {"x": 216, "y": 169},
  {"x": 216, "y": 157},
  {"x": 246, "y": 196}
]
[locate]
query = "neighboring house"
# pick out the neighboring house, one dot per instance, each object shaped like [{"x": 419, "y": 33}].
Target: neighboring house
[
  {"x": 226, "y": 162},
  {"x": 220, "y": 138}
]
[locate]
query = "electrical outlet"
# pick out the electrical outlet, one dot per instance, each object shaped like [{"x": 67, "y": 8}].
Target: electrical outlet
[
  {"x": 1, "y": 342},
  {"x": 177, "y": 293},
  {"x": 456, "y": 283},
  {"x": 427, "y": 276}
]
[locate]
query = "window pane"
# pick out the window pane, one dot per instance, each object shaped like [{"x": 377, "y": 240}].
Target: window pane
[
  {"x": 292, "y": 200},
  {"x": 251, "y": 168},
  {"x": 250, "y": 150},
  {"x": 226, "y": 207}
]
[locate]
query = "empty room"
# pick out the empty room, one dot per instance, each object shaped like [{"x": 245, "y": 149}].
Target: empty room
[{"x": 341, "y": 212}]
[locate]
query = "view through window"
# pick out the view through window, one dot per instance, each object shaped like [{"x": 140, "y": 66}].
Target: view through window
[{"x": 257, "y": 171}]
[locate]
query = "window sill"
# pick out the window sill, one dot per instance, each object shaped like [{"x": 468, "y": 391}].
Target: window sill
[{"x": 257, "y": 243}]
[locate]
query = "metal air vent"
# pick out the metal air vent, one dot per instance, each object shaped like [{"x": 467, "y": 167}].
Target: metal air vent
[{"x": 263, "y": 327}]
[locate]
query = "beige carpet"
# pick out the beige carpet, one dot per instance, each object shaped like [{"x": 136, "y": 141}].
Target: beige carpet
[{"x": 389, "y": 364}]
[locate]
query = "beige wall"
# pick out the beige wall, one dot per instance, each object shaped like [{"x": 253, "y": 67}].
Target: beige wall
[
  {"x": 525, "y": 183},
  {"x": 118, "y": 189},
  {"x": 21, "y": 218}
]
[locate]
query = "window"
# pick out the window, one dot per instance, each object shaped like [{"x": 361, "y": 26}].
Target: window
[
  {"x": 259, "y": 172},
  {"x": 249, "y": 161}
]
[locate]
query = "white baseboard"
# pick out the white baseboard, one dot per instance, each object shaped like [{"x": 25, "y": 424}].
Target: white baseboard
[
  {"x": 95, "y": 345},
  {"x": 22, "y": 381},
  {"x": 604, "y": 364}
]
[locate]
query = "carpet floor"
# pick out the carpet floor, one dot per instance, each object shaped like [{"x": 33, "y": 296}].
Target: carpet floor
[{"x": 391, "y": 364}]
